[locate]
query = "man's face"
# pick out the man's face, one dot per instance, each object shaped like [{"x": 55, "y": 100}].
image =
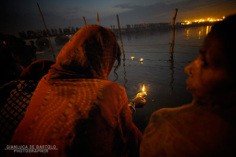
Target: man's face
[{"x": 207, "y": 73}]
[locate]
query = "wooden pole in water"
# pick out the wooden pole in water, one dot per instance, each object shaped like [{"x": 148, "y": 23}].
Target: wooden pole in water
[
  {"x": 47, "y": 33},
  {"x": 120, "y": 37},
  {"x": 173, "y": 33},
  {"x": 98, "y": 19},
  {"x": 84, "y": 21},
  {"x": 121, "y": 44}
]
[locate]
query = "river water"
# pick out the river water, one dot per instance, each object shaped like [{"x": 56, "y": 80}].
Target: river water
[{"x": 163, "y": 77}]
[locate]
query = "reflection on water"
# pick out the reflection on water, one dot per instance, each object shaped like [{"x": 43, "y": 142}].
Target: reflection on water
[
  {"x": 171, "y": 68},
  {"x": 208, "y": 29},
  {"x": 200, "y": 33},
  {"x": 187, "y": 33}
]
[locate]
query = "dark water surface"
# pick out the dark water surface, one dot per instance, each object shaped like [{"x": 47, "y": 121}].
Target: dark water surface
[{"x": 163, "y": 77}]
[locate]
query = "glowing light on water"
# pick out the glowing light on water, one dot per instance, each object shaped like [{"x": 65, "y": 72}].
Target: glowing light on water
[
  {"x": 200, "y": 33},
  {"x": 187, "y": 33},
  {"x": 207, "y": 30}
]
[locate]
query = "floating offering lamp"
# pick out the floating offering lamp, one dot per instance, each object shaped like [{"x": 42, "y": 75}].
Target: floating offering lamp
[
  {"x": 143, "y": 93},
  {"x": 132, "y": 58},
  {"x": 141, "y": 60}
]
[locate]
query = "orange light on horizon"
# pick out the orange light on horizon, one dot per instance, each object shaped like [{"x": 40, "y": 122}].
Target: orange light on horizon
[{"x": 187, "y": 22}]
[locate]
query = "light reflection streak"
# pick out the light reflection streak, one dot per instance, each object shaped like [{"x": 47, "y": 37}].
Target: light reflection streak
[{"x": 187, "y": 33}]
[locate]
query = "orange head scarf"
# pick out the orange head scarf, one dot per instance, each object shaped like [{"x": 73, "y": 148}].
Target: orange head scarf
[{"x": 90, "y": 53}]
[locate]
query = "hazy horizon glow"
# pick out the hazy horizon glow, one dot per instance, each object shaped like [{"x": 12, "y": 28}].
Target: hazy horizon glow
[{"x": 24, "y": 15}]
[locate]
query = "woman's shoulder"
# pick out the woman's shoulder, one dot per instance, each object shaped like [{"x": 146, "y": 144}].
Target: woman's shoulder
[
  {"x": 186, "y": 115},
  {"x": 189, "y": 126},
  {"x": 165, "y": 112},
  {"x": 190, "y": 116},
  {"x": 110, "y": 85}
]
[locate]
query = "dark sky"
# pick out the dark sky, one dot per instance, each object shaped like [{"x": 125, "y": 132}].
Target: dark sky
[{"x": 22, "y": 15}]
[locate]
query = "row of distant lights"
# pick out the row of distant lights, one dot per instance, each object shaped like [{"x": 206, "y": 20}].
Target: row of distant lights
[{"x": 203, "y": 20}]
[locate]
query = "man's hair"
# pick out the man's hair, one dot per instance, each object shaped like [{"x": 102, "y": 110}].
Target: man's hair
[
  {"x": 225, "y": 32},
  {"x": 32, "y": 42}
]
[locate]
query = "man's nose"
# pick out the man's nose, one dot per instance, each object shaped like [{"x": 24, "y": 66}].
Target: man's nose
[{"x": 188, "y": 69}]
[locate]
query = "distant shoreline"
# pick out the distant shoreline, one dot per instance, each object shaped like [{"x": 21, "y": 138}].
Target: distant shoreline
[{"x": 140, "y": 28}]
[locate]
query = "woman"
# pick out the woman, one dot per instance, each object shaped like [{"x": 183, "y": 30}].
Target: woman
[
  {"x": 76, "y": 108},
  {"x": 207, "y": 126}
]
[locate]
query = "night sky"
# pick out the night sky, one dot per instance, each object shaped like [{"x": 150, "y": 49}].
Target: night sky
[{"x": 22, "y": 15}]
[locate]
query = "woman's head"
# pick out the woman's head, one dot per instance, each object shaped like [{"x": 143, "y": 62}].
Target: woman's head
[
  {"x": 90, "y": 53},
  {"x": 213, "y": 72}
]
